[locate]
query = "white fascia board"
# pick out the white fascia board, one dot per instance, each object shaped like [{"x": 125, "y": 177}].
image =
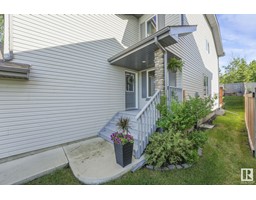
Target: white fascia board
[
  {"x": 181, "y": 30},
  {"x": 8, "y": 52}
]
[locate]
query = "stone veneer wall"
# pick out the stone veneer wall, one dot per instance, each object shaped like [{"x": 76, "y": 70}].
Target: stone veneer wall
[{"x": 159, "y": 70}]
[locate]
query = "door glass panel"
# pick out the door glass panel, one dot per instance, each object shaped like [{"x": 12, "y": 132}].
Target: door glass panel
[{"x": 129, "y": 82}]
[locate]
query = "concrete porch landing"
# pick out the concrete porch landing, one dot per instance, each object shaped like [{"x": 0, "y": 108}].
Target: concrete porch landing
[{"x": 93, "y": 161}]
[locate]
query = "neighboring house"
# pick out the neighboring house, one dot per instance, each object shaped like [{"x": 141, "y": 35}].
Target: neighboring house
[{"x": 69, "y": 77}]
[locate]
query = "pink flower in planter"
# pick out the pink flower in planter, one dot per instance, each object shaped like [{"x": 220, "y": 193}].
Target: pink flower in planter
[{"x": 121, "y": 138}]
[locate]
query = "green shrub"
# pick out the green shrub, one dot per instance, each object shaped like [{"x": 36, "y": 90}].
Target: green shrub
[
  {"x": 175, "y": 145},
  {"x": 170, "y": 148},
  {"x": 181, "y": 116},
  {"x": 198, "y": 138},
  {"x": 164, "y": 121}
]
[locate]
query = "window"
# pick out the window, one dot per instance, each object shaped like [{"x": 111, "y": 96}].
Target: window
[
  {"x": 151, "y": 26},
  {"x": 151, "y": 83},
  {"x": 206, "y": 86},
  {"x": 129, "y": 79},
  {"x": 207, "y": 46}
]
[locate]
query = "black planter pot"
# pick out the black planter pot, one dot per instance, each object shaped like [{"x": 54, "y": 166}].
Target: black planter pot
[
  {"x": 123, "y": 153},
  {"x": 160, "y": 130}
]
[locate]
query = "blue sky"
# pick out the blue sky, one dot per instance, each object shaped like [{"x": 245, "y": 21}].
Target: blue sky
[{"x": 238, "y": 34}]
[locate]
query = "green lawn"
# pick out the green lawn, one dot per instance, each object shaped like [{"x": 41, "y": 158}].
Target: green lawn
[
  {"x": 225, "y": 153},
  {"x": 59, "y": 177}
]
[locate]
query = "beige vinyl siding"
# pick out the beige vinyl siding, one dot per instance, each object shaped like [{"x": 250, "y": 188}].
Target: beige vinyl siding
[
  {"x": 197, "y": 62},
  {"x": 72, "y": 91}
]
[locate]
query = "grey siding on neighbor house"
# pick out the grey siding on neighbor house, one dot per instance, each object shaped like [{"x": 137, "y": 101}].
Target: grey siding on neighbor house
[
  {"x": 161, "y": 21},
  {"x": 172, "y": 19},
  {"x": 197, "y": 61},
  {"x": 72, "y": 91}
]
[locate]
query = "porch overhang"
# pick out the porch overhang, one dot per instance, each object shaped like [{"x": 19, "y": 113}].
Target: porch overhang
[{"x": 141, "y": 55}]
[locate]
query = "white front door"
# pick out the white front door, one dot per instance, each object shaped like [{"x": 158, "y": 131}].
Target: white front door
[{"x": 130, "y": 90}]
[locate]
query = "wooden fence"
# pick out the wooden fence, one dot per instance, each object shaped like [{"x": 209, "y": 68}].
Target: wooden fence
[
  {"x": 221, "y": 91},
  {"x": 250, "y": 110}
]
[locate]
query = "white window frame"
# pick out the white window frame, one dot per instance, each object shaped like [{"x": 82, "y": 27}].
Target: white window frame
[
  {"x": 146, "y": 22},
  {"x": 150, "y": 70}
]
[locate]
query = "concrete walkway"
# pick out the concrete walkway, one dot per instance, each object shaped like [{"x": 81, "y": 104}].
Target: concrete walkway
[
  {"x": 25, "y": 169},
  {"x": 91, "y": 161}
]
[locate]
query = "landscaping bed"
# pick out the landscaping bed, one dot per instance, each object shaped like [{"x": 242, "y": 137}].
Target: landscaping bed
[{"x": 224, "y": 154}]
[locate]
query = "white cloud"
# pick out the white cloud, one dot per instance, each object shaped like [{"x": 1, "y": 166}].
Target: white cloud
[
  {"x": 238, "y": 36},
  {"x": 240, "y": 23}
]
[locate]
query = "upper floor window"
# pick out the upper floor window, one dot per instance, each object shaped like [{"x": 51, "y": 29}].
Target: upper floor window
[
  {"x": 151, "y": 26},
  {"x": 207, "y": 46}
]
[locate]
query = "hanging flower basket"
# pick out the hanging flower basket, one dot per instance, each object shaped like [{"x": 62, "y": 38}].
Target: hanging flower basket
[{"x": 175, "y": 64}]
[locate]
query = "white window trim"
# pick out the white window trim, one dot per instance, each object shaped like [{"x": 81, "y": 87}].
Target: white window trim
[
  {"x": 8, "y": 41},
  {"x": 147, "y": 71},
  {"x": 146, "y": 27},
  {"x": 207, "y": 87}
]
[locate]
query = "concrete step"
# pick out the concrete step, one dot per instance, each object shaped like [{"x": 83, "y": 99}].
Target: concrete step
[
  {"x": 106, "y": 135},
  {"x": 111, "y": 127},
  {"x": 128, "y": 113}
]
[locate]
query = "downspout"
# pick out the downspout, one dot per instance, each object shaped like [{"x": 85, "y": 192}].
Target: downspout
[{"x": 165, "y": 63}]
